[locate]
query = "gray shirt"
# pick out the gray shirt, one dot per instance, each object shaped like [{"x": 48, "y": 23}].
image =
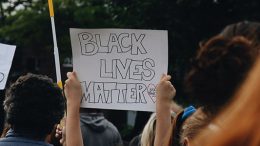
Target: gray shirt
[{"x": 98, "y": 131}]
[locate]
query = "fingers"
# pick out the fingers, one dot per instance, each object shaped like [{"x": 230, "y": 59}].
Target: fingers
[
  {"x": 165, "y": 77},
  {"x": 58, "y": 132},
  {"x": 75, "y": 75},
  {"x": 169, "y": 83},
  {"x": 162, "y": 77},
  {"x": 72, "y": 75},
  {"x": 61, "y": 141},
  {"x": 168, "y": 77},
  {"x": 69, "y": 74},
  {"x": 69, "y": 77}
]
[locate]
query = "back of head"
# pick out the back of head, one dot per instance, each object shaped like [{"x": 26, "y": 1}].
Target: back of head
[
  {"x": 219, "y": 67},
  {"x": 239, "y": 122},
  {"x": 192, "y": 126},
  {"x": 33, "y": 105},
  {"x": 247, "y": 29},
  {"x": 186, "y": 124}
]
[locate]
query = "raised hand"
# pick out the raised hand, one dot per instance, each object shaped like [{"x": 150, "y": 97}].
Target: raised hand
[
  {"x": 164, "y": 94},
  {"x": 73, "y": 93},
  {"x": 165, "y": 90},
  {"x": 72, "y": 89}
]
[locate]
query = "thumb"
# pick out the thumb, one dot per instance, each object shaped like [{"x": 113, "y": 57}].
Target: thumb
[{"x": 163, "y": 76}]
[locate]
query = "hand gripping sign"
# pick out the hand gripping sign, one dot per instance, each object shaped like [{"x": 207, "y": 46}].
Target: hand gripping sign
[{"x": 119, "y": 68}]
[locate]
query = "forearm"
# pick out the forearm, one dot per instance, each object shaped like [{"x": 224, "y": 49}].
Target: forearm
[
  {"x": 163, "y": 122},
  {"x": 164, "y": 94},
  {"x": 73, "y": 131}
]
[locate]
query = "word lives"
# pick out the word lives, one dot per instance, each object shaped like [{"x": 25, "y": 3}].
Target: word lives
[{"x": 142, "y": 70}]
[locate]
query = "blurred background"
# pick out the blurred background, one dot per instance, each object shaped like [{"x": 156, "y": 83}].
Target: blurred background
[{"x": 26, "y": 23}]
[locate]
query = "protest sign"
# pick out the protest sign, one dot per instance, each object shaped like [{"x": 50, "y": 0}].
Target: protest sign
[
  {"x": 6, "y": 59},
  {"x": 119, "y": 68}
]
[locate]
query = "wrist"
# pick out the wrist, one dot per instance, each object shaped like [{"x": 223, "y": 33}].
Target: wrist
[
  {"x": 164, "y": 100},
  {"x": 73, "y": 113},
  {"x": 73, "y": 106},
  {"x": 163, "y": 107}
]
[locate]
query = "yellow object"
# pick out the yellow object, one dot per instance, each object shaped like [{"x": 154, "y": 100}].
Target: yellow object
[
  {"x": 60, "y": 84},
  {"x": 51, "y": 8},
  {"x": 62, "y": 122}
]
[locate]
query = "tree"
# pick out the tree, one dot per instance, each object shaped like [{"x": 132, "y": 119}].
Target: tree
[{"x": 188, "y": 22}]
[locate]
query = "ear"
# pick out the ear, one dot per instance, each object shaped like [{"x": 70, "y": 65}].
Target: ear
[{"x": 186, "y": 142}]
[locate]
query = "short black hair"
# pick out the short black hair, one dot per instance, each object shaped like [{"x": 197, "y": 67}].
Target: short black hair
[{"x": 33, "y": 105}]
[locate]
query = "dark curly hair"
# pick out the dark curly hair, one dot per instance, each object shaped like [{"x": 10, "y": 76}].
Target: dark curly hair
[
  {"x": 220, "y": 66},
  {"x": 33, "y": 105}
]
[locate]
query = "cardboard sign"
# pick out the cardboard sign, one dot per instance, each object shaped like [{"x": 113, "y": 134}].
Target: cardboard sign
[
  {"x": 6, "y": 59},
  {"x": 119, "y": 68}
]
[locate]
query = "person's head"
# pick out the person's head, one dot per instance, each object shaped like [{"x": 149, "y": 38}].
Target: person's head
[
  {"x": 219, "y": 67},
  {"x": 33, "y": 105},
  {"x": 179, "y": 126},
  {"x": 192, "y": 126},
  {"x": 247, "y": 29},
  {"x": 239, "y": 122},
  {"x": 148, "y": 134}
]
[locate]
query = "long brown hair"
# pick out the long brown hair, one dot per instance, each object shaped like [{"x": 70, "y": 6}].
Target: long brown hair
[
  {"x": 239, "y": 124},
  {"x": 221, "y": 64}
]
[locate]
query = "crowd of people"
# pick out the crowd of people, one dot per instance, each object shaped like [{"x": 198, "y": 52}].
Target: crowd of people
[{"x": 224, "y": 79}]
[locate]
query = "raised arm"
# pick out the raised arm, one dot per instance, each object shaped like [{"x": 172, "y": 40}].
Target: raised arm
[
  {"x": 73, "y": 93},
  {"x": 164, "y": 94}
]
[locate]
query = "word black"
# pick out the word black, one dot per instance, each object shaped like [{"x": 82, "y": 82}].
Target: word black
[{"x": 120, "y": 43}]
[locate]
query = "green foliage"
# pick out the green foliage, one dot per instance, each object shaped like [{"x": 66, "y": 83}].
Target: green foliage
[
  {"x": 26, "y": 23},
  {"x": 187, "y": 22}
]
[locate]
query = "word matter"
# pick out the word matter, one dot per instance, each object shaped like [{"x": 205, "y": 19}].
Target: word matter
[{"x": 113, "y": 92}]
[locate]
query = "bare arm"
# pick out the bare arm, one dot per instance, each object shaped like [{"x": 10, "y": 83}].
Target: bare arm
[
  {"x": 73, "y": 93},
  {"x": 164, "y": 94},
  {"x": 176, "y": 107}
]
